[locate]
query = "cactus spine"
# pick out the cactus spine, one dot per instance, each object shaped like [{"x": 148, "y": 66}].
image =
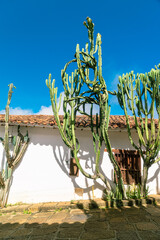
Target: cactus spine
[
  {"x": 19, "y": 143},
  {"x": 141, "y": 95},
  {"x": 76, "y": 96}
]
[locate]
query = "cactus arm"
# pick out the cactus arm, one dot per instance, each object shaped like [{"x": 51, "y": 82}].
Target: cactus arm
[
  {"x": 110, "y": 153},
  {"x": 79, "y": 63},
  {"x": 140, "y": 116},
  {"x": 74, "y": 140},
  {"x": 74, "y": 145},
  {"x": 131, "y": 78},
  {"x": 53, "y": 96},
  {"x": 139, "y": 130},
  {"x": 107, "y": 118},
  {"x": 98, "y": 156},
  {"x": 90, "y": 26},
  {"x": 115, "y": 164},
  {"x": 5, "y": 193},
  {"x": 66, "y": 66},
  {"x": 86, "y": 99},
  {"x": 55, "y": 108},
  {"x": 23, "y": 144},
  {"x": 64, "y": 138},
  {"x": 126, "y": 115},
  {"x": 87, "y": 68},
  {"x": 96, "y": 137},
  {"x": 92, "y": 129},
  {"x": 152, "y": 139},
  {"x": 16, "y": 147},
  {"x": 6, "y": 137},
  {"x": 65, "y": 82},
  {"x": 104, "y": 120},
  {"x": 140, "y": 95},
  {"x": 99, "y": 59},
  {"x": 6, "y": 171},
  {"x": 60, "y": 99},
  {"x": 97, "y": 149},
  {"x": 2, "y": 183},
  {"x": 146, "y": 116},
  {"x": 20, "y": 154}
]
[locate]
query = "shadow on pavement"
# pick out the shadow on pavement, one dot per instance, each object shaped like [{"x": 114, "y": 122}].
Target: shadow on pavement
[{"x": 133, "y": 223}]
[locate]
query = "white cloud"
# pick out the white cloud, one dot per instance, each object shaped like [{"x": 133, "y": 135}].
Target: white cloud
[
  {"x": 18, "y": 111},
  {"x": 48, "y": 110},
  {"x": 44, "y": 110}
]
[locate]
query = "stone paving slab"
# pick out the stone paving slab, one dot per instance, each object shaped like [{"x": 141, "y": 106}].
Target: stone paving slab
[
  {"x": 127, "y": 223},
  {"x": 153, "y": 211}
]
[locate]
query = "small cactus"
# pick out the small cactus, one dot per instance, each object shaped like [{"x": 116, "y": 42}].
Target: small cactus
[{"x": 19, "y": 143}]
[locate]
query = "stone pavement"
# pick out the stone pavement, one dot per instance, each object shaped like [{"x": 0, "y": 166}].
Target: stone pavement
[{"x": 126, "y": 223}]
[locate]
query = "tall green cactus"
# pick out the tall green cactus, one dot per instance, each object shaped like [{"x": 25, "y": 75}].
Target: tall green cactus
[
  {"x": 20, "y": 144},
  {"x": 141, "y": 96},
  {"x": 77, "y": 96}
]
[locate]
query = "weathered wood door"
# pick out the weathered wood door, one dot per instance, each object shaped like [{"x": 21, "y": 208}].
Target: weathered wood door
[{"x": 130, "y": 165}]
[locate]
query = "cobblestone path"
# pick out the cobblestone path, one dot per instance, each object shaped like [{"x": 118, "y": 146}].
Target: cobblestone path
[{"x": 130, "y": 223}]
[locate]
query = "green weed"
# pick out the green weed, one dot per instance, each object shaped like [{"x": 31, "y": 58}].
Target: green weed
[
  {"x": 27, "y": 212},
  {"x": 58, "y": 210}
]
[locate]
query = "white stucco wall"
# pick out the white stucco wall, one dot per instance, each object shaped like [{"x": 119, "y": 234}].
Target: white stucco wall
[{"x": 43, "y": 173}]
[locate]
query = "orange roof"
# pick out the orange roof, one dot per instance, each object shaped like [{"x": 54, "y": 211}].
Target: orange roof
[{"x": 116, "y": 121}]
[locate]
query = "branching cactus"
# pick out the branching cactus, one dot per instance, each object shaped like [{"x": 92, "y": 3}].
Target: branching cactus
[
  {"x": 84, "y": 91},
  {"x": 141, "y": 96},
  {"x": 72, "y": 86},
  {"x": 13, "y": 156},
  {"x": 97, "y": 90}
]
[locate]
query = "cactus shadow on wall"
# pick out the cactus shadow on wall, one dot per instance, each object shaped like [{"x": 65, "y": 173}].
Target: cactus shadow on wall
[
  {"x": 156, "y": 177},
  {"x": 87, "y": 158},
  {"x": 3, "y": 160},
  {"x": 61, "y": 154}
]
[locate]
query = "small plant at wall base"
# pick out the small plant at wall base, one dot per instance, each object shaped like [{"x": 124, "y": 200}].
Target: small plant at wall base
[
  {"x": 20, "y": 144},
  {"x": 112, "y": 195},
  {"x": 134, "y": 192},
  {"x": 140, "y": 95},
  {"x": 75, "y": 100}
]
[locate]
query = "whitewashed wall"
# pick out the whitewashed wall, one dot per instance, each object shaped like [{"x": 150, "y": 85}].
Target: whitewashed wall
[{"x": 43, "y": 173}]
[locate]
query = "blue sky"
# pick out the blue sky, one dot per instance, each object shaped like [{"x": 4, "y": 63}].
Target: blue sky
[{"x": 38, "y": 37}]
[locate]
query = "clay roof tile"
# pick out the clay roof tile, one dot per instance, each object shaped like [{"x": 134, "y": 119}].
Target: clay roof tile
[{"x": 116, "y": 121}]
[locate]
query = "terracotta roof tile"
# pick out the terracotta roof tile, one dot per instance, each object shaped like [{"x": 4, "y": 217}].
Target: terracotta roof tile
[{"x": 116, "y": 121}]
